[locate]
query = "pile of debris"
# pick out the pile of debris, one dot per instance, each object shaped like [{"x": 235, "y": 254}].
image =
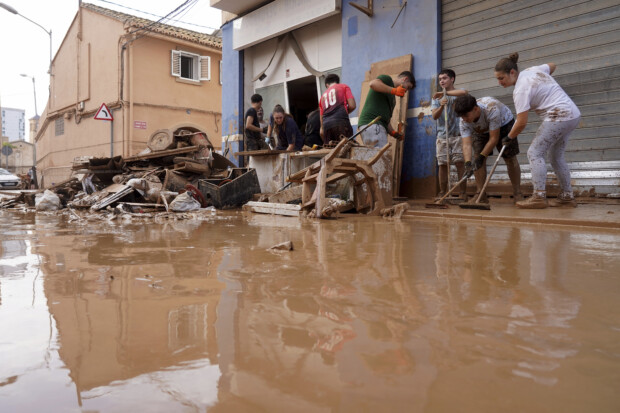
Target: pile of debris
[
  {"x": 178, "y": 171},
  {"x": 316, "y": 191}
]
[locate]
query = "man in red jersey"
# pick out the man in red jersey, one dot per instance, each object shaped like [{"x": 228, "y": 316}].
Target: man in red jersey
[{"x": 336, "y": 104}]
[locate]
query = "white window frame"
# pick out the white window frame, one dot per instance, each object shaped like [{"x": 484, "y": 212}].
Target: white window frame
[{"x": 201, "y": 70}]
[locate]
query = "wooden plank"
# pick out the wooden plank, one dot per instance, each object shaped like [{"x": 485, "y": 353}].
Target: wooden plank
[
  {"x": 162, "y": 154},
  {"x": 261, "y": 152},
  {"x": 287, "y": 195},
  {"x": 273, "y": 209},
  {"x": 305, "y": 154}
]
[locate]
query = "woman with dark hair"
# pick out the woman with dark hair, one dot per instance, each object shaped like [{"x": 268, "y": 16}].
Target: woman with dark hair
[
  {"x": 536, "y": 89},
  {"x": 289, "y": 136}
]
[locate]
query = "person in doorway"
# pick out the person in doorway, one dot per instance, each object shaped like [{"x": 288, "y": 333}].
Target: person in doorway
[
  {"x": 313, "y": 129},
  {"x": 336, "y": 103},
  {"x": 484, "y": 123},
  {"x": 536, "y": 89},
  {"x": 289, "y": 138},
  {"x": 381, "y": 102},
  {"x": 448, "y": 140},
  {"x": 253, "y": 131}
]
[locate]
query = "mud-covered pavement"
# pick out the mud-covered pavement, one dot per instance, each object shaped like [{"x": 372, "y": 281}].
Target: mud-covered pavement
[{"x": 364, "y": 315}]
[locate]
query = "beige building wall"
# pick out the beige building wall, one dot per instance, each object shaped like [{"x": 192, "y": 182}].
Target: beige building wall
[
  {"x": 164, "y": 101},
  {"x": 88, "y": 70},
  {"x": 20, "y": 161}
]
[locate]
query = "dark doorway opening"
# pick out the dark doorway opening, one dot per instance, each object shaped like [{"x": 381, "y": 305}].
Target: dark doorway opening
[{"x": 302, "y": 99}]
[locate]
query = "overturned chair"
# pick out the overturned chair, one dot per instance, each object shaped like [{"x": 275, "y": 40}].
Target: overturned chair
[{"x": 334, "y": 167}]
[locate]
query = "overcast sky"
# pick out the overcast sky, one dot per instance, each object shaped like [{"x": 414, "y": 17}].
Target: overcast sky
[{"x": 24, "y": 47}]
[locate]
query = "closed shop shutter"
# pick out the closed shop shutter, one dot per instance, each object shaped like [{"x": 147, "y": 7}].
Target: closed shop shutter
[{"x": 581, "y": 37}]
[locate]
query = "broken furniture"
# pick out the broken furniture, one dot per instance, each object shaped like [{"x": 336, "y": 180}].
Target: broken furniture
[
  {"x": 335, "y": 167},
  {"x": 232, "y": 190}
]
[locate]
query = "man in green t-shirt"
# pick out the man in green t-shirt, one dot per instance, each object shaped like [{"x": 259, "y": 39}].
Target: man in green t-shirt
[{"x": 380, "y": 102}]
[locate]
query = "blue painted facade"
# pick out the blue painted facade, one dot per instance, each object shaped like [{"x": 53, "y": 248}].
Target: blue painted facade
[{"x": 366, "y": 40}]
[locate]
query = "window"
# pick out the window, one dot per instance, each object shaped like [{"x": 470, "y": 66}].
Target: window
[
  {"x": 60, "y": 126},
  {"x": 190, "y": 66}
]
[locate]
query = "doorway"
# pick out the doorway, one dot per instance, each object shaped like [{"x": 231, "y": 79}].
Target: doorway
[{"x": 302, "y": 99}]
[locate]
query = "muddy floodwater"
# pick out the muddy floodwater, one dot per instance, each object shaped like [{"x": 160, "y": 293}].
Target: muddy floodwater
[{"x": 364, "y": 315}]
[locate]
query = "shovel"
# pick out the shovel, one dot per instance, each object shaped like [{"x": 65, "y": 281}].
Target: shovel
[{"x": 477, "y": 204}]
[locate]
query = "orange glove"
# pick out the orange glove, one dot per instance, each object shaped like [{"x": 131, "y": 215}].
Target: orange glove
[
  {"x": 396, "y": 135},
  {"x": 398, "y": 91}
]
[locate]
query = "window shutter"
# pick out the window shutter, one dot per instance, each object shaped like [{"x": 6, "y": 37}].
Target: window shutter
[
  {"x": 205, "y": 67},
  {"x": 175, "y": 63}
]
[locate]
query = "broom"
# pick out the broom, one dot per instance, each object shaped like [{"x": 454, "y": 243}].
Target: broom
[
  {"x": 439, "y": 203},
  {"x": 477, "y": 204}
]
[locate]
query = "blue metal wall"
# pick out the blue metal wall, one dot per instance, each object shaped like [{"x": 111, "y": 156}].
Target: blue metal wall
[
  {"x": 370, "y": 39},
  {"x": 232, "y": 95}
]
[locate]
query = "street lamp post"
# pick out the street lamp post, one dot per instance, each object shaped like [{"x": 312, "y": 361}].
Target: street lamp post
[
  {"x": 36, "y": 128},
  {"x": 49, "y": 32},
  {"x": 34, "y": 88},
  {"x": 49, "y": 71}
]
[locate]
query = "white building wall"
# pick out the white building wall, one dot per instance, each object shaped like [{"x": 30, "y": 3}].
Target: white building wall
[
  {"x": 14, "y": 124},
  {"x": 321, "y": 43}
]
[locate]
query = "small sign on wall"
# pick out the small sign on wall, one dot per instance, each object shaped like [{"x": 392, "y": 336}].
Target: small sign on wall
[{"x": 139, "y": 124}]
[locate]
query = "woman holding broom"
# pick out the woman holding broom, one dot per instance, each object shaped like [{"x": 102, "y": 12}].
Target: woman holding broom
[{"x": 536, "y": 89}]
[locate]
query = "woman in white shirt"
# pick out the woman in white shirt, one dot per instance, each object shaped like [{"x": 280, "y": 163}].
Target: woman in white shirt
[{"x": 536, "y": 89}]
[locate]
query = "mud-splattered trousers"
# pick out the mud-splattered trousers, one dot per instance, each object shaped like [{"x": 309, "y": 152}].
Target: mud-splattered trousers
[{"x": 551, "y": 138}]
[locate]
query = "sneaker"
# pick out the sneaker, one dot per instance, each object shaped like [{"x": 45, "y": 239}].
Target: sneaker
[
  {"x": 439, "y": 195},
  {"x": 533, "y": 202},
  {"x": 563, "y": 201}
]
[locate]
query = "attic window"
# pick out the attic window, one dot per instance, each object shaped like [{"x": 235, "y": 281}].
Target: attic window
[{"x": 190, "y": 66}]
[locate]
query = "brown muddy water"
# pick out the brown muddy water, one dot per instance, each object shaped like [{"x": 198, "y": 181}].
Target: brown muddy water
[{"x": 365, "y": 315}]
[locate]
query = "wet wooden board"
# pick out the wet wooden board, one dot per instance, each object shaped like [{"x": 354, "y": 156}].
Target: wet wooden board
[
  {"x": 274, "y": 209},
  {"x": 261, "y": 152},
  {"x": 161, "y": 154}
]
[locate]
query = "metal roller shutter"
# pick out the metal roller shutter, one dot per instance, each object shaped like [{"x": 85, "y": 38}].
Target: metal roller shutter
[{"x": 581, "y": 37}]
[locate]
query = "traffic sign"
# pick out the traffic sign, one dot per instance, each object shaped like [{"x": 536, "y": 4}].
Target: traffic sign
[{"x": 104, "y": 113}]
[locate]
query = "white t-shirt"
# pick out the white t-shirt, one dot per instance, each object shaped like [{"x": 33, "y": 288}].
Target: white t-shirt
[
  {"x": 493, "y": 115},
  {"x": 536, "y": 89}
]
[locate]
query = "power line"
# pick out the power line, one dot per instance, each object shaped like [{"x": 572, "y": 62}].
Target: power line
[
  {"x": 155, "y": 15},
  {"x": 168, "y": 16}
]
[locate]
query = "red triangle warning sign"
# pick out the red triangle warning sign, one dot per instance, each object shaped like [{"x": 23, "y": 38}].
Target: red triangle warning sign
[{"x": 104, "y": 113}]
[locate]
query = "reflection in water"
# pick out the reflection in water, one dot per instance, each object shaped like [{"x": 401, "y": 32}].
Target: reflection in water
[{"x": 364, "y": 315}]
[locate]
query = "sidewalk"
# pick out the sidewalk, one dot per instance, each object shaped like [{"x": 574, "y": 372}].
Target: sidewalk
[{"x": 589, "y": 213}]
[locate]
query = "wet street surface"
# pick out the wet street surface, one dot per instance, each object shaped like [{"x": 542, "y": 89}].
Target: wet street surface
[{"x": 364, "y": 315}]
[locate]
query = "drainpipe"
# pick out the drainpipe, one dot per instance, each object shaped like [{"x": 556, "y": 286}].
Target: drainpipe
[{"x": 112, "y": 133}]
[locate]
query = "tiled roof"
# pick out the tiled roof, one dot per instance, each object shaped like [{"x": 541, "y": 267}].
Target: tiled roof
[{"x": 165, "y": 29}]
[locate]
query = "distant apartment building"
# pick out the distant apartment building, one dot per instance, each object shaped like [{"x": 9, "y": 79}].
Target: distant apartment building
[{"x": 14, "y": 124}]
